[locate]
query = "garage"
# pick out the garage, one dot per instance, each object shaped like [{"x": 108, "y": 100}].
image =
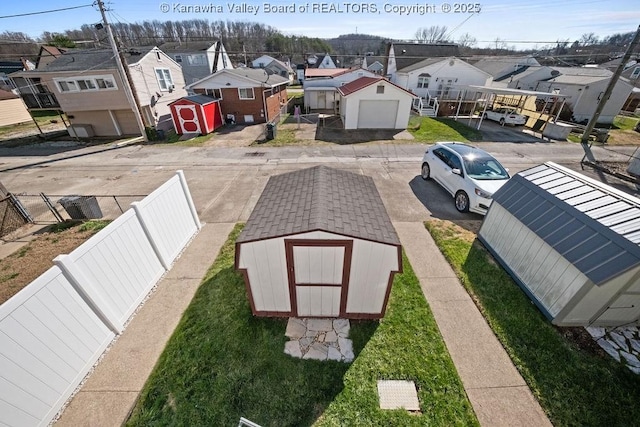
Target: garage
[
  {"x": 374, "y": 103},
  {"x": 319, "y": 243},
  {"x": 571, "y": 243},
  {"x": 377, "y": 114}
]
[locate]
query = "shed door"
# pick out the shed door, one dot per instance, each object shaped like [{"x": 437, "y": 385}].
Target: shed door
[
  {"x": 377, "y": 114},
  {"x": 318, "y": 276},
  {"x": 188, "y": 118}
]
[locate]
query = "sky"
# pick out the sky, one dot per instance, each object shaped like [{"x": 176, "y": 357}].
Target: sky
[{"x": 523, "y": 24}]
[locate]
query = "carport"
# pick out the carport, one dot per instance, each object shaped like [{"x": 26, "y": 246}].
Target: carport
[{"x": 488, "y": 94}]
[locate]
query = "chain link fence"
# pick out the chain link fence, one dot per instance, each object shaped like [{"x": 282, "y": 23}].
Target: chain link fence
[{"x": 51, "y": 208}]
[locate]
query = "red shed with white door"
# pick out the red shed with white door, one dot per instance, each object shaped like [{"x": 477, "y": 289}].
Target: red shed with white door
[{"x": 196, "y": 114}]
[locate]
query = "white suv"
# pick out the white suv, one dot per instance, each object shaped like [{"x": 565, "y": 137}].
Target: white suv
[{"x": 470, "y": 174}]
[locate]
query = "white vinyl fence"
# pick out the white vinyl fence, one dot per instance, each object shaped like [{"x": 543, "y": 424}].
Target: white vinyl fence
[{"x": 55, "y": 329}]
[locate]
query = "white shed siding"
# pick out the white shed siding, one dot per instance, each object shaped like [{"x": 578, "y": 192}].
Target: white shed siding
[
  {"x": 265, "y": 261},
  {"x": 317, "y": 264},
  {"x": 371, "y": 266},
  {"x": 13, "y": 111},
  {"x": 544, "y": 271},
  {"x": 318, "y": 301},
  {"x": 353, "y": 102}
]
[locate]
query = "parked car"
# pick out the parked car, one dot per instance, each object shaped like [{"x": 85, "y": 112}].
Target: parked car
[
  {"x": 506, "y": 116},
  {"x": 470, "y": 174}
]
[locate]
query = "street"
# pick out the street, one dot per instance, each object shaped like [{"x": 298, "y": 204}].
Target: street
[{"x": 227, "y": 181}]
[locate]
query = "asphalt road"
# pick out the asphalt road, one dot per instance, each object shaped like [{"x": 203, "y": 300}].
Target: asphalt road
[{"x": 227, "y": 181}]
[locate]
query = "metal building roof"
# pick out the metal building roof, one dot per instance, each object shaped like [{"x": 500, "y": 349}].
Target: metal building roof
[
  {"x": 592, "y": 225},
  {"x": 320, "y": 198}
]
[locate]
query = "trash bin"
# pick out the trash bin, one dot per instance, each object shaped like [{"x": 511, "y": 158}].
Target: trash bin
[
  {"x": 81, "y": 207},
  {"x": 271, "y": 130}
]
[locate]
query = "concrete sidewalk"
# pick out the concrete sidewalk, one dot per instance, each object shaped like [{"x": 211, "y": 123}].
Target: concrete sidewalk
[
  {"x": 111, "y": 390},
  {"x": 498, "y": 394}
]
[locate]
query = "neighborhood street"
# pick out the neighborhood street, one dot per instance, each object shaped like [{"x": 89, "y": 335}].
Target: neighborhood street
[{"x": 227, "y": 181}]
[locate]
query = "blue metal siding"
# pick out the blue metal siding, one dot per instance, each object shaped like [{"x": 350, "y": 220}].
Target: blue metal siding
[{"x": 596, "y": 230}]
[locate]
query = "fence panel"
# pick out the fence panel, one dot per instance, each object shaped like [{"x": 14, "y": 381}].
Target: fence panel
[
  {"x": 119, "y": 265},
  {"x": 49, "y": 340},
  {"x": 168, "y": 217}
]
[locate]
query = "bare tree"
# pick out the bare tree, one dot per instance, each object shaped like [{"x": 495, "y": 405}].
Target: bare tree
[
  {"x": 432, "y": 34},
  {"x": 467, "y": 40},
  {"x": 588, "y": 39}
]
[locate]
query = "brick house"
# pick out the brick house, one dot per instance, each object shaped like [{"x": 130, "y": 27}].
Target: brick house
[{"x": 246, "y": 95}]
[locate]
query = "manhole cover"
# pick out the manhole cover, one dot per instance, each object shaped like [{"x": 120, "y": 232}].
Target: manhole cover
[
  {"x": 254, "y": 154},
  {"x": 396, "y": 394}
]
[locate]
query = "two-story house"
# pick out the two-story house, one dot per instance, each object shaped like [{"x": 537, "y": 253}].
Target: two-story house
[
  {"x": 274, "y": 66},
  {"x": 198, "y": 59},
  {"x": 246, "y": 95},
  {"x": 86, "y": 85}
]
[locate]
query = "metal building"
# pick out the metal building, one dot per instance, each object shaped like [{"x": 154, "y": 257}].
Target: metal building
[
  {"x": 319, "y": 243},
  {"x": 571, "y": 243}
]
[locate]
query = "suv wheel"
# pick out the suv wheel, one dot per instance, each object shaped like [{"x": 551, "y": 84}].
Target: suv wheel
[
  {"x": 462, "y": 201},
  {"x": 425, "y": 172}
]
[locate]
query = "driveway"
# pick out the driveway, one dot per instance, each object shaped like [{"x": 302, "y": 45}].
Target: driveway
[{"x": 492, "y": 131}]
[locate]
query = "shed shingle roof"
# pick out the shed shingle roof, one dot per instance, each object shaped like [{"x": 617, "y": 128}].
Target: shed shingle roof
[
  {"x": 592, "y": 225},
  {"x": 320, "y": 198}
]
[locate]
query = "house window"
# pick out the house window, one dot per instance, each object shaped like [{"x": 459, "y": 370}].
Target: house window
[
  {"x": 197, "y": 59},
  {"x": 423, "y": 82},
  {"x": 86, "y": 83},
  {"x": 636, "y": 73},
  {"x": 216, "y": 93},
  {"x": 178, "y": 58},
  {"x": 163, "y": 76},
  {"x": 380, "y": 89},
  {"x": 246, "y": 93}
]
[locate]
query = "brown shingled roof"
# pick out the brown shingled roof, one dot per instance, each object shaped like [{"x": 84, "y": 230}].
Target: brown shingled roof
[{"x": 320, "y": 198}]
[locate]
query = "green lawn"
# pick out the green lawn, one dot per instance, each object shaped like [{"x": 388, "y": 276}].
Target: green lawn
[
  {"x": 625, "y": 123},
  {"x": 427, "y": 129},
  {"x": 575, "y": 386},
  {"x": 222, "y": 363}
]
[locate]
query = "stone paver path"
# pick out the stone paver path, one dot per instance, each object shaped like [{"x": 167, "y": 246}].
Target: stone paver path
[
  {"x": 623, "y": 344},
  {"x": 319, "y": 339}
]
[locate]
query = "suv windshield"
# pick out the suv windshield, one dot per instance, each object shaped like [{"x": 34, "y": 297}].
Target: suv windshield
[{"x": 484, "y": 168}]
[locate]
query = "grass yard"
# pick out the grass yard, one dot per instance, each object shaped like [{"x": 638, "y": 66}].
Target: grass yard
[
  {"x": 625, "y": 123},
  {"x": 576, "y": 385},
  {"x": 427, "y": 129},
  {"x": 46, "y": 119},
  {"x": 222, "y": 363}
]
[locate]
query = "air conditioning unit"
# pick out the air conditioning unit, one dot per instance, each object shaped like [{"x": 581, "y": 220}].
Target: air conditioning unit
[{"x": 81, "y": 131}]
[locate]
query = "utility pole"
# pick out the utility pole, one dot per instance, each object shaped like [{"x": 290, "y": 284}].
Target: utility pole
[
  {"x": 123, "y": 70},
  {"x": 607, "y": 92}
]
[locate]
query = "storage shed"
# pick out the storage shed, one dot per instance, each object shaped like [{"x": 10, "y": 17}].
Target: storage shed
[
  {"x": 571, "y": 243},
  {"x": 196, "y": 114},
  {"x": 319, "y": 243}
]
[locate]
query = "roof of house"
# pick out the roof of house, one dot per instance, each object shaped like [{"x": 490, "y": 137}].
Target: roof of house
[
  {"x": 100, "y": 59},
  {"x": 592, "y": 225},
  {"x": 325, "y": 72},
  {"x": 421, "y": 64},
  {"x": 197, "y": 99},
  {"x": 496, "y": 65},
  {"x": 364, "y": 82},
  {"x": 320, "y": 198},
  {"x": 5, "y": 94},
  {"x": 257, "y": 75},
  {"x": 407, "y": 54}
]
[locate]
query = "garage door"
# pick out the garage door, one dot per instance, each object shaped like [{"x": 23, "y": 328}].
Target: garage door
[{"x": 377, "y": 114}]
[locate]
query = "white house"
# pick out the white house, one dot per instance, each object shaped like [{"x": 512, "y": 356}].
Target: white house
[
  {"x": 198, "y": 59},
  {"x": 320, "y": 93},
  {"x": 443, "y": 78},
  {"x": 322, "y": 61},
  {"x": 375, "y": 64},
  {"x": 402, "y": 55},
  {"x": 585, "y": 87},
  {"x": 374, "y": 103},
  {"x": 274, "y": 66}
]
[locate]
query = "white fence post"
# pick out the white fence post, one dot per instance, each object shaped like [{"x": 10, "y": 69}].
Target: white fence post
[
  {"x": 98, "y": 305},
  {"x": 187, "y": 194},
  {"x": 143, "y": 223}
]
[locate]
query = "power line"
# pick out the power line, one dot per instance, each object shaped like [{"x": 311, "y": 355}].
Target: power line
[{"x": 45, "y": 11}]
